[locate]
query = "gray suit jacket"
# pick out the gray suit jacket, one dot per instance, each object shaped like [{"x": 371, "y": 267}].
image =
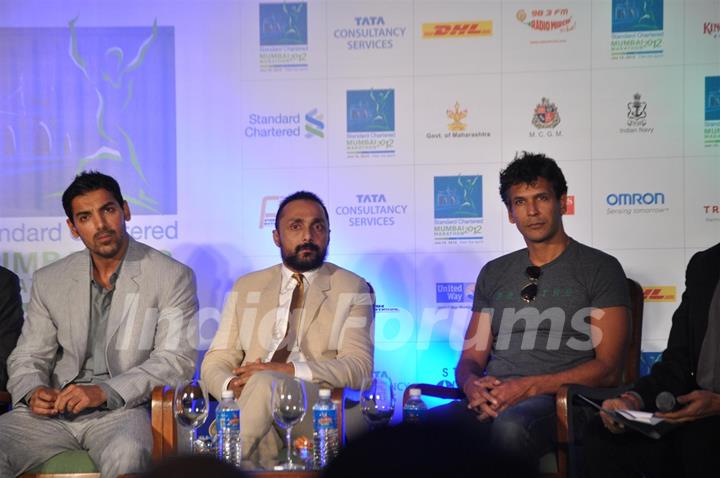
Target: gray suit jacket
[
  {"x": 151, "y": 327},
  {"x": 335, "y": 330}
]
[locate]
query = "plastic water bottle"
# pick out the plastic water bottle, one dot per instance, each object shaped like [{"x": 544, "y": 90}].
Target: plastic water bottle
[
  {"x": 227, "y": 416},
  {"x": 414, "y": 409},
  {"x": 325, "y": 432}
]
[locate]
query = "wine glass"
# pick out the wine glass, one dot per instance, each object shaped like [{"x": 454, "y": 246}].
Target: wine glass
[
  {"x": 288, "y": 405},
  {"x": 191, "y": 406},
  {"x": 377, "y": 401}
]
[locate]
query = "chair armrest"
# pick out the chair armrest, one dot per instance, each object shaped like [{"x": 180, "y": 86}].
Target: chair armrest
[
  {"x": 438, "y": 391},
  {"x": 163, "y": 423}
]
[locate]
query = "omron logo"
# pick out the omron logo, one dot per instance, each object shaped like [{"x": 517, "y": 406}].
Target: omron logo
[{"x": 633, "y": 199}]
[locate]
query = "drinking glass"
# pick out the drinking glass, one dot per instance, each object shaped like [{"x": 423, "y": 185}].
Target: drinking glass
[
  {"x": 377, "y": 401},
  {"x": 191, "y": 406},
  {"x": 288, "y": 405}
]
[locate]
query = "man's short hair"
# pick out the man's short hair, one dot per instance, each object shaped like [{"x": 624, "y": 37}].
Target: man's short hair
[
  {"x": 300, "y": 195},
  {"x": 86, "y": 182},
  {"x": 526, "y": 169}
]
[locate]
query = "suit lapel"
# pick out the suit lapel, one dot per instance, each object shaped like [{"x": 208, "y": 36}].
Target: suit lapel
[
  {"x": 78, "y": 302},
  {"x": 316, "y": 296},
  {"x": 125, "y": 298},
  {"x": 266, "y": 312}
]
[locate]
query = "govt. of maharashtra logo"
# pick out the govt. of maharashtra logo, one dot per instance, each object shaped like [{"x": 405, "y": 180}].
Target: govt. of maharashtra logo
[
  {"x": 637, "y": 28},
  {"x": 458, "y": 209},
  {"x": 467, "y": 29},
  {"x": 283, "y": 29},
  {"x": 551, "y": 23},
  {"x": 712, "y": 111},
  {"x": 636, "y": 116},
  {"x": 121, "y": 83},
  {"x": 457, "y": 127},
  {"x": 545, "y": 119},
  {"x": 370, "y": 123}
]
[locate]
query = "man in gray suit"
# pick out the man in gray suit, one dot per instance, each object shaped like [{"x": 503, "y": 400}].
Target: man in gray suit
[
  {"x": 103, "y": 327},
  {"x": 304, "y": 318}
]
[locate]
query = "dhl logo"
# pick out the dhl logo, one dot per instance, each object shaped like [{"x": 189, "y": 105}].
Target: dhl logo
[
  {"x": 659, "y": 293},
  {"x": 480, "y": 28}
]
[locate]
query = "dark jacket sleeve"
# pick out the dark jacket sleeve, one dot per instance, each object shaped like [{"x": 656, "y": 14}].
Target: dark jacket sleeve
[
  {"x": 11, "y": 319},
  {"x": 675, "y": 372}
]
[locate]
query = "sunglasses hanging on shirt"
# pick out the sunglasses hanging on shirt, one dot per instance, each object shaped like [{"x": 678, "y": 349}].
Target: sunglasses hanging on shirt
[{"x": 529, "y": 292}]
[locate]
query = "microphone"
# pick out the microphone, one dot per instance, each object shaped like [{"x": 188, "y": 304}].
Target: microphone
[{"x": 665, "y": 402}]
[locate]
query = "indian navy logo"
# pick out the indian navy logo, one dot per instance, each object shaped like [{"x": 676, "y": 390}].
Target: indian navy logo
[{"x": 637, "y": 114}]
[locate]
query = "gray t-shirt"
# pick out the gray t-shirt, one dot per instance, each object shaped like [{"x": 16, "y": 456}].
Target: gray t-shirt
[{"x": 551, "y": 333}]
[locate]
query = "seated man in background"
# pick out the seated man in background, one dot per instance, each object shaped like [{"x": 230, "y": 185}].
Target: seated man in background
[
  {"x": 553, "y": 313},
  {"x": 11, "y": 319},
  {"x": 689, "y": 370},
  {"x": 104, "y": 326},
  {"x": 304, "y": 318}
]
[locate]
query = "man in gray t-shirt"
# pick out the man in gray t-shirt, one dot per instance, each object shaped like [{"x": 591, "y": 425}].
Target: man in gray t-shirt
[{"x": 553, "y": 313}]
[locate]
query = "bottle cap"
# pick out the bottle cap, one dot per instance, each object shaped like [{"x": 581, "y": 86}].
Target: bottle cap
[
  {"x": 228, "y": 394},
  {"x": 324, "y": 393},
  {"x": 415, "y": 392}
]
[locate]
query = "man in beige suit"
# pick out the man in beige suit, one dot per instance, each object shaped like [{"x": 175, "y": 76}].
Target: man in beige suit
[{"x": 325, "y": 341}]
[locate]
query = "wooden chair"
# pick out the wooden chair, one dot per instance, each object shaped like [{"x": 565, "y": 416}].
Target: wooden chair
[
  {"x": 563, "y": 462},
  {"x": 75, "y": 464}
]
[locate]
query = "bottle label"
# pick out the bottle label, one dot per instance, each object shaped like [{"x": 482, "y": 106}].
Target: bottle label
[
  {"x": 228, "y": 419},
  {"x": 326, "y": 419}
]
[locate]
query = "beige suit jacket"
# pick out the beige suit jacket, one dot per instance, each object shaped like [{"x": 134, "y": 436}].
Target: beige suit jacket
[{"x": 335, "y": 329}]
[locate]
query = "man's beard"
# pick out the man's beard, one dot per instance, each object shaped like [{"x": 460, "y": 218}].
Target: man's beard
[{"x": 297, "y": 263}]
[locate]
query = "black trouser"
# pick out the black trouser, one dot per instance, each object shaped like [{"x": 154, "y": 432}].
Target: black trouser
[{"x": 691, "y": 450}]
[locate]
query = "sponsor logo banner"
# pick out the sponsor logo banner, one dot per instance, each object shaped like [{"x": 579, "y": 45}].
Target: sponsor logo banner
[
  {"x": 545, "y": 119},
  {"x": 712, "y": 213},
  {"x": 551, "y": 23},
  {"x": 636, "y": 203},
  {"x": 283, "y": 36},
  {"x": 454, "y": 292},
  {"x": 457, "y": 128},
  {"x": 469, "y": 29},
  {"x": 712, "y": 111},
  {"x": 458, "y": 210},
  {"x": 659, "y": 293},
  {"x": 370, "y": 33},
  {"x": 637, "y": 29},
  {"x": 711, "y": 29},
  {"x": 268, "y": 209},
  {"x": 371, "y": 210},
  {"x": 370, "y": 123},
  {"x": 636, "y": 117},
  {"x": 275, "y": 126}
]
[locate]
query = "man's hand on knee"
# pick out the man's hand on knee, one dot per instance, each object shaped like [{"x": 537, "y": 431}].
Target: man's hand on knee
[
  {"x": 76, "y": 398},
  {"x": 246, "y": 371},
  {"x": 42, "y": 401}
]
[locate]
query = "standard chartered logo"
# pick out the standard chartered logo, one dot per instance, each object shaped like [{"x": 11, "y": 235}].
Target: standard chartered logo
[
  {"x": 313, "y": 124},
  {"x": 285, "y": 125}
]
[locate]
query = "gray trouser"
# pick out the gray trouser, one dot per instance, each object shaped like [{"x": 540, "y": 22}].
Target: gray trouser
[{"x": 118, "y": 441}]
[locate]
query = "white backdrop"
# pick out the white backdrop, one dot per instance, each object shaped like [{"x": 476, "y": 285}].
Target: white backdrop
[{"x": 399, "y": 114}]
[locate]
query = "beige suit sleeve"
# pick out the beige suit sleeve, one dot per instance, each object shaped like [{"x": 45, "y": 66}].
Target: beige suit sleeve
[
  {"x": 226, "y": 351},
  {"x": 351, "y": 340}
]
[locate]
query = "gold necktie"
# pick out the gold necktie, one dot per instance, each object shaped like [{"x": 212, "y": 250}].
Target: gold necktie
[{"x": 296, "y": 304}]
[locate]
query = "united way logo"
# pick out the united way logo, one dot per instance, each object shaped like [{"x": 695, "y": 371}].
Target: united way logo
[
  {"x": 712, "y": 111},
  {"x": 121, "y": 83},
  {"x": 458, "y": 209},
  {"x": 283, "y": 24},
  {"x": 370, "y": 123},
  {"x": 283, "y": 36},
  {"x": 637, "y": 29},
  {"x": 370, "y": 111},
  {"x": 454, "y": 292}
]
